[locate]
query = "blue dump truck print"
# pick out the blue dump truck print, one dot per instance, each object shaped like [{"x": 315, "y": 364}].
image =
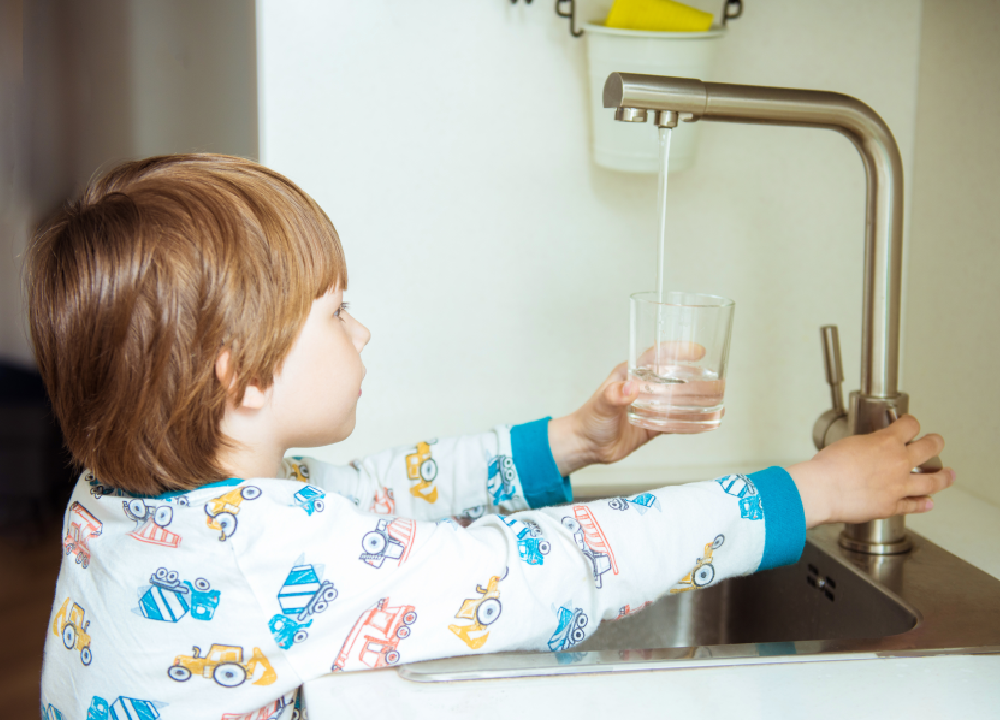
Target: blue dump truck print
[
  {"x": 310, "y": 499},
  {"x": 641, "y": 502},
  {"x": 502, "y": 479},
  {"x": 302, "y": 594},
  {"x": 124, "y": 708},
  {"x": 530, "y": 545},
  {"x": 570, "y": 630},
  {"x": 742, "y": 487},
  {"x": 167, "y": 598}
]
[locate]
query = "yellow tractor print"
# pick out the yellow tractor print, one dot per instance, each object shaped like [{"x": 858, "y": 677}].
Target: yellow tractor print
[
  {"x": 482, "y": 611},
  {"x": 222, "y": 510},
  {"x": 422, "y": 469},
  {"x": 224, "y": 664},
  {"x": 703, "y": 572},
  {"x": 70, "y": 625}
]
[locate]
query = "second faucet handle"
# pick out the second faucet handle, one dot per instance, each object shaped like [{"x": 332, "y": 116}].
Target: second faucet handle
[{"x": 834, "y": 366}]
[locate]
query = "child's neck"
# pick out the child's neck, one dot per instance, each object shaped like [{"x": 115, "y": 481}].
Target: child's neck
[{"x": 256, "y": 449}]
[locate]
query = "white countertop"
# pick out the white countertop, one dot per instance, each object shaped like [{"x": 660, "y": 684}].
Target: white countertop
[{"x": 959, "y": 686}]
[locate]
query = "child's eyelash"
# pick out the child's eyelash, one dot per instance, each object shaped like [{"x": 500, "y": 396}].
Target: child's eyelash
[{"x": 343, "y": 307}]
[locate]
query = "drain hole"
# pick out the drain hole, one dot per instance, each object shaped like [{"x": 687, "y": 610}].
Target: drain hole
[
  {"x": 829, "y": 595},
  {"x": 831, "y": 584},
  {"x": 813, "y": 569}
]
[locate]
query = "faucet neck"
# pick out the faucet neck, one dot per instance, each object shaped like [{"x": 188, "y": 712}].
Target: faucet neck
[{"x": 883, "y": 253}]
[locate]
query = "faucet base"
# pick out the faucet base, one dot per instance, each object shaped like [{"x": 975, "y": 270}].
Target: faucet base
[
  {"x": 898, "y": 547},
  {"x": 877, "y": 537}
]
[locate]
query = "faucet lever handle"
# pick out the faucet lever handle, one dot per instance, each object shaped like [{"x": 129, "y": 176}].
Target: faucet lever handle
[{"x": 834, "y": 366}]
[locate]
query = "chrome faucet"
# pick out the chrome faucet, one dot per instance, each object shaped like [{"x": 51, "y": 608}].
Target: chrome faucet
[{"x": 878, "y": 402}]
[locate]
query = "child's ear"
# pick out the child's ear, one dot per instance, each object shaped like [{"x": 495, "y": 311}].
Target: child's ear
[{"x": 253, "y": 398}]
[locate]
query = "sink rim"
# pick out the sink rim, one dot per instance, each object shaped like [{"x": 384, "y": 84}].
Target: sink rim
[{"x": 956, "y": 606}]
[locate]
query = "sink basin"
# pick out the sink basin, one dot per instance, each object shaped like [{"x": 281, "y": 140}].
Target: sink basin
[{"x": 833, "y": 604}]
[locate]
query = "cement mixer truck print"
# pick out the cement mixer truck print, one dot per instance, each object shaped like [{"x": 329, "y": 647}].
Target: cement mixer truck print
[
  {"x": 302, "y": 594},
  {"x": 169, "y": 599}
]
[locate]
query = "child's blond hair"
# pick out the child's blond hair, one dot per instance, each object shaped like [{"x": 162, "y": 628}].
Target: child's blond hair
[{"x": 135, "y": 289}]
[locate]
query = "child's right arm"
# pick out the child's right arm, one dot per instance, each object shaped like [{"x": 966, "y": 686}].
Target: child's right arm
[
  {"x": 863, "y": 477},
  {"x": 534, "y": 580}
]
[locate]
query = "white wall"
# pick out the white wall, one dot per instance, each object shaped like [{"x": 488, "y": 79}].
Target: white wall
[
  {"x": 493, "y": 260},
  {"x": 953, "y": 334}
]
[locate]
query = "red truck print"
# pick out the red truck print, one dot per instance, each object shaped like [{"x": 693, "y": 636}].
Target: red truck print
[
  {"x": 591, "y": 540},
  {"x": 383, "y": 503},
  {"x": 82, "y": 527},
  {"x": 374, "y": 639}
]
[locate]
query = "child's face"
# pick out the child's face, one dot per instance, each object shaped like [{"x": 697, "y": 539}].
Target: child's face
[{"x": 315, "y": 396}]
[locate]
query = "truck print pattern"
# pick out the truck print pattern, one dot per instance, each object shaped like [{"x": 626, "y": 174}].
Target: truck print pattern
[
  {"x": 422, "y": 469},
  {"x": 531, "y": 546},
  {"x": 626, "y": 610},
  {"x": 82, "y": 528},
  {"x": 703, "y": 572},
  {"x": 301, "y": 595},
  {"x": 222, "y": 511},
  {"x": 642, "y": 503},
  {"x": 483, "y": 611},
  {"x": 99, "y": 490},
  {"x": 168, "y": 599},
  {"x": 392, "y": 539},
  {"x": 501, "y": 482},
  {"x": 123, "y": 708},
  {"x": 310, "y": 499},
  {"x": 590, "y": 539},
  {"x": 742, "y": 487},
  {"x": 569, "y": 629},
  {"x": 70, "y": 625},
  {"x": 374, "y": 640},
  {"x": 383, "y": 502},
  {"x": 225, "y": 665},
  {"x": 151, "y": 522}
]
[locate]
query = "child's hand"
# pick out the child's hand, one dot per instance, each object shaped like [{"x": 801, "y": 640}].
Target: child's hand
[
  {"x": 599, "y": 432},
  {"x": 865, "y": 477}
]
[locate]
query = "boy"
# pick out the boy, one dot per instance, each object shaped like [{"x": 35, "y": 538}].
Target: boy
[{"x": 188, "y": 318}]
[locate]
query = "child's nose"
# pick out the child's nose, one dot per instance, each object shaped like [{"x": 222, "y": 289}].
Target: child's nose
[{"x": 361, "y": 337}]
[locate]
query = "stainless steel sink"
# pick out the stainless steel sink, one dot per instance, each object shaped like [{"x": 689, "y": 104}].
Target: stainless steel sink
[{"x": 833, "y": 604}]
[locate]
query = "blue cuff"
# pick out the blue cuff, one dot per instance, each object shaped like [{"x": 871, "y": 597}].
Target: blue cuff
[
  {"x": 541, "y": 482},
  {"x": 785, "y": 521}
]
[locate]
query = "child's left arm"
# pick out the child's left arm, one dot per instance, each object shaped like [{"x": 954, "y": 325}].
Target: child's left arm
[{"x": 508, "y": 469}]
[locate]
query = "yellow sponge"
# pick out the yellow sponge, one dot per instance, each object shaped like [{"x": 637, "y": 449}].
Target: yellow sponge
[{"x": 657, "y": 15}]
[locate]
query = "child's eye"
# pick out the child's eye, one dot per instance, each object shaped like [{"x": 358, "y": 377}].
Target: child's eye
[{"x": 343, "y": 308}]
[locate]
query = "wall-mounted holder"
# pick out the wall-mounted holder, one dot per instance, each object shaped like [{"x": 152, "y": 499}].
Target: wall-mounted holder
[{"x": 733, "y": 10}]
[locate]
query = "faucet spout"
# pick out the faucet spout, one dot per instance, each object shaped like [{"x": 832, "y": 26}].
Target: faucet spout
[
  {"x": 879, "y": 398},
  {"x": 883, "y": 264}
]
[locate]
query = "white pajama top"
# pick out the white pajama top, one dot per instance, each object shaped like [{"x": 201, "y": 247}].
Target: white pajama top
[{"x": 220, "y": 602}]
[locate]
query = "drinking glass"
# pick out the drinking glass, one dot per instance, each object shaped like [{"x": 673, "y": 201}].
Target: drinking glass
[{"x": 679, "y": 350}]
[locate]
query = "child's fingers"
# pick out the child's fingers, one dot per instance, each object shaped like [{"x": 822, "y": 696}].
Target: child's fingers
[
  {"x": 905, "y": 428},
  {"x": 673, "y": 351},
  {"x": 622, "y": 393},
  {"x": 922, "y": 450},
  {"x": 912, "y": 505},
  {"x": 924, "y": 484}
]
